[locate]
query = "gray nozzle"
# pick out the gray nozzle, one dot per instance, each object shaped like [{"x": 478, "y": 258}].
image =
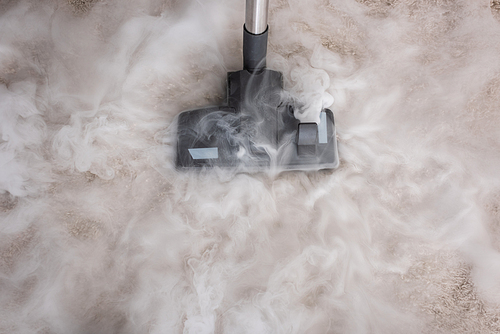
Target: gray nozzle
[
  {"x": 254, "y": 51},
  {"x": 256, "y": 16}
]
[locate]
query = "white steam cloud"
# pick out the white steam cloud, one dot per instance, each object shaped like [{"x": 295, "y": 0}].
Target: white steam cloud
[{"x": 100, "y": 234}]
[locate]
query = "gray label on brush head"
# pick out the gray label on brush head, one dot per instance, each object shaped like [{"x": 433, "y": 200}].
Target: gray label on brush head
[
  {"x": 204, "y": 153},
  {"x": 322, "y": 129}
]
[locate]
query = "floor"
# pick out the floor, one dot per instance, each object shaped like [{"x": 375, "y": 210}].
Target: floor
[{"x": 100, "y": 234}]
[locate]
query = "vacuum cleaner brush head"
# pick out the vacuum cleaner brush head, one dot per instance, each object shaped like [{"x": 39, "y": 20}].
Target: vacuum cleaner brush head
[{"x": 256, "y": 128}]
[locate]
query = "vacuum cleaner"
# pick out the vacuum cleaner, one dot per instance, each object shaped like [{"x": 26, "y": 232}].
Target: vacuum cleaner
[{"x": 256, "y": 128}]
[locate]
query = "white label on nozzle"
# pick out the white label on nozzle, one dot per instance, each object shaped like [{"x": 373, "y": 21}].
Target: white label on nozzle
[
  {"x": 322, "y": 129},
  {"x": 204, "y": 153}
]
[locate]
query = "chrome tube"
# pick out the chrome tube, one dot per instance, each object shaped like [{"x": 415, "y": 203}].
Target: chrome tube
[{"x": 256, "y": 16}]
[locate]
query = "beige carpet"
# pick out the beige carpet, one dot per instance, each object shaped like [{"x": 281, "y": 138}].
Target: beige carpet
[{"x": 100, "y": 234}]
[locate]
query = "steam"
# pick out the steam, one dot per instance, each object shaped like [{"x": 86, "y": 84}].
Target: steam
[
  {"x": 100, "y": 234},
  {"x": 310, "y": 85}
]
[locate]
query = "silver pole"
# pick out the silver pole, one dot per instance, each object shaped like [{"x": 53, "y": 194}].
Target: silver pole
[{"x": 256, "y": 16}]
